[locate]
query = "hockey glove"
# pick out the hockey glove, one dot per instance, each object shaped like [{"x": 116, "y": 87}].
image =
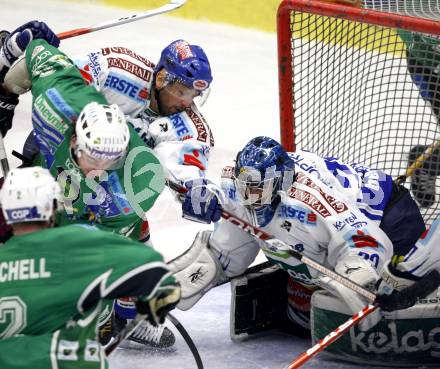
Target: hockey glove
[
  {"x": 361, "y": 272},
  {"x": 157, "y": 307},
  {"x": 203, "y": 201},
  {"x": 7, "y": 107},
  {"x": 16, "y": 42},
  {"x": 395, "y": 292}
]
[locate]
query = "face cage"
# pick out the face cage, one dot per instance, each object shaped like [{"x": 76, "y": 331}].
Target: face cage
[
  {"x": 199, "y": 99},
  {"x": 114, "y": 164},
  {"x": 267, "y": 188}
]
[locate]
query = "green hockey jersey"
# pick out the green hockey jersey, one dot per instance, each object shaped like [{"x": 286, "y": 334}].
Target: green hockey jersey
[
  {"x": 119, "y": 198},
  {"x": 52, "y": 283}
]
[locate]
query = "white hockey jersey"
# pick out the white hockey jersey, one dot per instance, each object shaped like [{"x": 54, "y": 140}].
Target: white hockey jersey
[
  {"x": 181, "y": 141},
  {"x": 332, "y": 210},
  {"x": 425, "y": 254}
]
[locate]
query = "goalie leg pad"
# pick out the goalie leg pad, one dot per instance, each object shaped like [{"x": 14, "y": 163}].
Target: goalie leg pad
[
  {"x": 404, "y": 338},
  {"x": 197, "y": 271}
]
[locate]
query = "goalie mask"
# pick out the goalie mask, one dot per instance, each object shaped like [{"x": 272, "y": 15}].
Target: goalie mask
[
  {"x": 189, "y": 65},
  {"x": 30, "y": 195},
  {"x": 261, "y": 168}
]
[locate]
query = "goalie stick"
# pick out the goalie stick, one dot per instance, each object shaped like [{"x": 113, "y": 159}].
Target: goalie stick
[{"x": 172, "y": 5}]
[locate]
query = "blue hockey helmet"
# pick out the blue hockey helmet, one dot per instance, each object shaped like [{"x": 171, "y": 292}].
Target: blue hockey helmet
[
  {"x": 260, "y": 169},
  {"x": 187, "y": 64}
]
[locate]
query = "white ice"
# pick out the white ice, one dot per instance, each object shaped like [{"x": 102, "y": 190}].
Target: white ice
[{"x": 243, "y": 104}]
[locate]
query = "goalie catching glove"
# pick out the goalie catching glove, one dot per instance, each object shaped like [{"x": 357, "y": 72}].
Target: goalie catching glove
[
  {"x": 157, "y": 307},
  {"x": 399, "y": 290}
]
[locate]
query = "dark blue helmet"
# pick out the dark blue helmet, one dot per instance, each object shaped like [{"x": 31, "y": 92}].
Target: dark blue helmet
[
  {"x": 187, "y": 64},
  {"x": 262, "y": 164}
]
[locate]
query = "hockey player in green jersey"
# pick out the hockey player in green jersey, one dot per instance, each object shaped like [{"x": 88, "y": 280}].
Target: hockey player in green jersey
[
  {"x": 51, "y": 292},
  {"x": 108, "y": 176}
]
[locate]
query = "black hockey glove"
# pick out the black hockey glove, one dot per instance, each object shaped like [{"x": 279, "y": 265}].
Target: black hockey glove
[
  {"x": 408, "y": 296},
  {"x": 7, "y": 107},
  {"x": 164, "y": 300}
]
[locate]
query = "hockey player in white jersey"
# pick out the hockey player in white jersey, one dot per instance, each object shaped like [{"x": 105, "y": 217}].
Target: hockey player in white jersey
[
  {"x": 337, "y": 214},
  {"x": 158, "y": 100},
  {"x": 407, "y": 278}
]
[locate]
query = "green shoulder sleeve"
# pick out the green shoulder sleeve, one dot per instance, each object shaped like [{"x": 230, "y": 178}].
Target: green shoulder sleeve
[{"x": 143, "y": 175}]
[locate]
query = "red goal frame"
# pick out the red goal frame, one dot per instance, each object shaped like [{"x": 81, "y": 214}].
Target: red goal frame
[{"x": 319, "y": 7}]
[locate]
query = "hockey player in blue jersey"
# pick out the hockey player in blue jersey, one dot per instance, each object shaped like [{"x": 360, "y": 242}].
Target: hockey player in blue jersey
[{"x": 346, "y": 216}]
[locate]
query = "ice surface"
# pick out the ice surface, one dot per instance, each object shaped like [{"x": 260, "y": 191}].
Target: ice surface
[{"x": 243, "y": 104}]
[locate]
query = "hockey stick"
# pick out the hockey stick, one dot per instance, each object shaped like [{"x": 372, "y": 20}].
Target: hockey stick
[
  {"x": 331, "y": 337},
  {"x": 3, "y": 157},
  {"x": 284, "y": 247},
  {"x": 172, "y": 5},
  {"x": 418, "y": 163},
  {"x": 187, "y": 339}
]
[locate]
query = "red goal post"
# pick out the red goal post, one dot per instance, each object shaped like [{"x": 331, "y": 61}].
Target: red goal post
[{"x": 353, "y": 56}]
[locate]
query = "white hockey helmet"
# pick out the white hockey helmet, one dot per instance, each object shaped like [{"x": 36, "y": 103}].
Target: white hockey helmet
[
  {"x": 30, "y": 195},
  {"x": 102, "y": 132}
]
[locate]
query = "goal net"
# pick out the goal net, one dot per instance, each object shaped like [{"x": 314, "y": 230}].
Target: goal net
[{"x": 360, "y": 83}]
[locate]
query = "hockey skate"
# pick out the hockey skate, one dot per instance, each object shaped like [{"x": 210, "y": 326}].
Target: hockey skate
[
  {"x": 423, "y": 179},
  {"x": 148, "y": 335}
]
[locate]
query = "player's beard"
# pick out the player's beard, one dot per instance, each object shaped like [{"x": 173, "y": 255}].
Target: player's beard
[
  {"x": 160, "y": 106},
  {"x": 163, "y": 110}
]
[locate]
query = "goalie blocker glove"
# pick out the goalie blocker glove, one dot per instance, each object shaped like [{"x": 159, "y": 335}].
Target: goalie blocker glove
[
  {"x": 203, "y": 201},
  {"x": 408, "y": 296}
]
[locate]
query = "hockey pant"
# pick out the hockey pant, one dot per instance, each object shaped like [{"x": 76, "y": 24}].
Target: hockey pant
[{"x": 402, "y": 221}]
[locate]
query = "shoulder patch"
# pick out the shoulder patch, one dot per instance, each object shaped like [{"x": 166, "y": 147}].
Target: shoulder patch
[
  {"x": 200, "y": 124},
  {"x": 336, "y": 205},
  {"x": 122, "y": 50}
]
